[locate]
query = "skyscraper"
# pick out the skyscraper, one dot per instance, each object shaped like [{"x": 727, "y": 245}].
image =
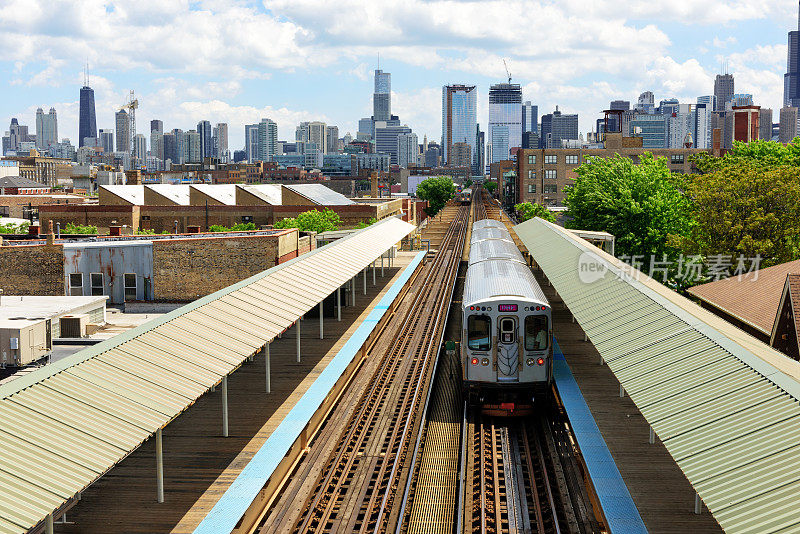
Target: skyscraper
[
  {"x": 140, "y": 147},
  {"x": 193, "y": 147},
  {"x": 123, "y": 131},
  {"x": 386, "y": 139},
  {"x": 479, "y": 161},
  {"x": 157, "y": 139},
  {"x": 382, "y": 98},
  {"x": 204, "y": 130},
  {"x": 530, "y": 117},
  {"x": 791, "y": 80},
  {"x": 87, "y": 123},
  {"x": 219, "y": 140},
  {"x": 46, "y": 129},
  {"x": 702, "y": 125},
  {"x": 459, "y": 117},
  {"x": 267, "y": 139},
  {"x": 331, "y": 139},
  {"x": 251, "y": 142},
  {"x": 723, "y": 91},
  {"x": 407, "y": 149},
  {"x": 505, "y": 120},
  {"x": 620, "y": 105},
  {"x": 558, "y": 127},
  {"x": 107, "y": 140},
  {"x": 156, "y": 126}
]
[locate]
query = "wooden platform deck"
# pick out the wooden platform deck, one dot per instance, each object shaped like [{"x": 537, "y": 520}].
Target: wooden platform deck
[
  {"x": 662, "y": 494},
  {"x": 200, "y": 464}
]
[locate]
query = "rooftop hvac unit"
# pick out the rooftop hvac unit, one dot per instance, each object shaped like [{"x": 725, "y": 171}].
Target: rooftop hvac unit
[{"x": 74, "y": 325}]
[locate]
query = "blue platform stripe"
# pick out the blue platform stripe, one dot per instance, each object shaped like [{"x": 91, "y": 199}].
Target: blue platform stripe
[
  {"x": 226, "y": 513},
  {"x": 618, "y": 506}
]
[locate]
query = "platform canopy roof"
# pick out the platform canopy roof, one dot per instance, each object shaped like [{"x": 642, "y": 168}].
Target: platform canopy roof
[
  {"x": 724, "y": 404},
  {"x": 68, "y": 423}
]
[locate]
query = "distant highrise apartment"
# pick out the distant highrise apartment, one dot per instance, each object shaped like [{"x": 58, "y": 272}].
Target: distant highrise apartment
[
  {"x": 723, "y": 91},
  {"x": 709, "y": 100},
  {"x": 791, "y": 80},
  {"x": 46, "y": 129},
  {"x": 205, "y": 133},
  {"x": 407, "y": 149},
  {"x": 505, "y": 120},
  {"x": 193, "y": 147},
  {"x": 87, "y": 123},
  {"x": 557, "y": 128},
  {"x": 702, "y": 125},
  {"x": 788, "y": 128},
  {"x": 251, "y": 142},
  {"x": 331, "y": 139},
  {"x": 123, "y": 124},
  {"x": 459, "y": 117},
  {"x": 140, "y": 147},
  {"x": 530, "y": 117},
  {"x": 765, "y": 124},
  {"x": 267, "y": 140},
  {"x": 382, "y": 98},
  {"x": 219, "y": 141},
  {"x": 107, "y": 140},
  {"x": 620, "y": 105},
  {"x": 386, "y": 139},
  {"x": 156, "y": 126},
  {"x": 651, "y": 128},
  {"x": 479, "y": 160}
]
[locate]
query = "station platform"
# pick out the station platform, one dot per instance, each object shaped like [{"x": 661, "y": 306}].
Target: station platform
[
  {"x": 200, "y": 464},
  {"x": 618, "y": 508},
  {"x": 660, "y": 491}
]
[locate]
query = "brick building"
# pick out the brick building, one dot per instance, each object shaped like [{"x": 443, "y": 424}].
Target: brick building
[
  {"x": 542, "y": 174},
  {"x": 43, "y": 170},
  {"x": 146, "y": 268}
]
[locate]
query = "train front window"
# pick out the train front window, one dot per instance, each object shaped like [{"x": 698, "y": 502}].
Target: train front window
[
  {"x": 536, "y": 332},
  {"x": 479, "y": 332}
]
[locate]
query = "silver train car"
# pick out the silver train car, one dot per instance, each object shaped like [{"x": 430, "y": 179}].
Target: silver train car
[
  {"x": 465, "y": 197},
  {"x": 506, "y": 346}
]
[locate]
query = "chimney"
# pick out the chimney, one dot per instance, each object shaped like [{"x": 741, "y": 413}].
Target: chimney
[
  {"x": 374, "y": 184},
  {"x": 51, "y": 237}
]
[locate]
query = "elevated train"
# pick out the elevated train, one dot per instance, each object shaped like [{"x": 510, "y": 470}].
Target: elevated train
[
  {"x": 465, "y": 197},
  {"x": 506, "y": 346}
]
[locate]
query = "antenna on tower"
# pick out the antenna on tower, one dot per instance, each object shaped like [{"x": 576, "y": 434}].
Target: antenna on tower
[{"x": 86, "y": 74}]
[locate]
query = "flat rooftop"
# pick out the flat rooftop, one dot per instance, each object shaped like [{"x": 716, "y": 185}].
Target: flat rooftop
[{"x": 16, "y": 308}]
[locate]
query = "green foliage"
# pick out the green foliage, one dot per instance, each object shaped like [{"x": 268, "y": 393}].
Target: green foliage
[
  {"x": 490, "y": 187},
  {"x": 368, "y": 222},
  {"x": 145, "y": 231},
  {"x": 642, "y": 205},
  {"x": 747, "y": 206},
  {"x": 467, "y": 183},
  {"x": 72, "y": 228},
  {"x": 240, "y": 227},
  {"x": 12, "y": 228},
  {"x": 313, "y": 221},
  {"x": 526, "y": 211},
  {"x": 767, "y": 154},
  {"x": 437, "y": 191}
]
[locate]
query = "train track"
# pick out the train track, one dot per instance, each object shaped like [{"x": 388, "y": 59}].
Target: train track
[{"x": 364, "y": 474}]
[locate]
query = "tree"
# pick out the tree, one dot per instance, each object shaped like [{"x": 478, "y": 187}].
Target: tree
[
  {"x": 641, "y": 205},
  {"x": 12, "y": 228},
  {"x": 490, "y": 187},
  {"x": 467, "y": 183},
  {"x": 526, "y": 211},
  {"x": 72, "y": 228},
  {"x": 437, "y": 191},
  {"x": 366, "y": 223},
  {"x": 768, "y": 154},
  {"x": 313, "y": 221},
  {"x": 747, "y": 206}
]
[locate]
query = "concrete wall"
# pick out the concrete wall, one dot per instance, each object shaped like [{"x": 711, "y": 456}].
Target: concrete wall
[
  {"x": 113, "y": 261},
  {"x": 32, "y": 270}
]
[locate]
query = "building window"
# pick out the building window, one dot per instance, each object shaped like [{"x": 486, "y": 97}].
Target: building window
[
  {"x": 551, "y": 159},
  {"x": 531, "y": 188},
  {"x": 76, "y": 284},
  {"x": 531, "y": 159},
  {"x": 96, "y": 281},
  {"x": 551, "y": 174},
  {"x": 676, "y": 159},
  {"x": 531, "y": 175},
  {"x": 4, "y": 211},
  {"x": 572, "y": 159},
  {"x": 550, "y": 189},
  {"x": 130, "y": 286}
]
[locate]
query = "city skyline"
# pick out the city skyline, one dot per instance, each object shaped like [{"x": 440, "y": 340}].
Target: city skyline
[{"x": 290, "y": 84}]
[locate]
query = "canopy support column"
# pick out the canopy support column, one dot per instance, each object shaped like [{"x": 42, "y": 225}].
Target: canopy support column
[
  {"x": 159, "y": 467},
  {"x": 382, "y": 265},
  {"x": 320, "y": 321},
  {"x": 298, "y": 340},
  {"x": 353, "y": 289},
  {"x": 621, "y": 391},
  {"x": 365, "y": 280},
  {"x": 373, "y": 273},
  {"x": 266, "y": 368},
  {"x": 48, "y": 524},
  {"x": 225, "y": 406},
  {"x": 698, "y": 504},
  {"x": 652, "y": 436},
  {"x": 339, "y": 303}
]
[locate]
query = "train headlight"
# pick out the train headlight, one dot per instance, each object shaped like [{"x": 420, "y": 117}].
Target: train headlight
[
  {"x": 485, "y": 361},
  {"x": 474, "y": 361},
  {"x": 529, "y": 361},
  {"x": 540, "y": 361}
]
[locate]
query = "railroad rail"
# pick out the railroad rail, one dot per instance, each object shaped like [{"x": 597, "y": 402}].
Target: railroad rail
[{"x": 365, "y": 456}]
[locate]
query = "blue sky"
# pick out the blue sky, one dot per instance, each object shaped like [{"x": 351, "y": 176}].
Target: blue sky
[{"x": 295, "y": 60}]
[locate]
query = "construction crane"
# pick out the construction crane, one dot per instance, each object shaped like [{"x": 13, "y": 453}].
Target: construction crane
[
  {"x": 507, "y": 72},
  {"x": 130, "y": 107}
]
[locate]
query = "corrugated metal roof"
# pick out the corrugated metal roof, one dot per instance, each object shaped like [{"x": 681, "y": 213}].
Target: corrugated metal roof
[
  {"x": 270, "y": 193},
  {"x": 224, "y": 193},
  {"x": 179, "y": 194},
  {"x": 724, "y": 404},
  {"x": 68, "y": 423},
  {"x": 501, "y": 278},
  {"x": 320, "y": 194},
  {"x": 133, "y": 194}
]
